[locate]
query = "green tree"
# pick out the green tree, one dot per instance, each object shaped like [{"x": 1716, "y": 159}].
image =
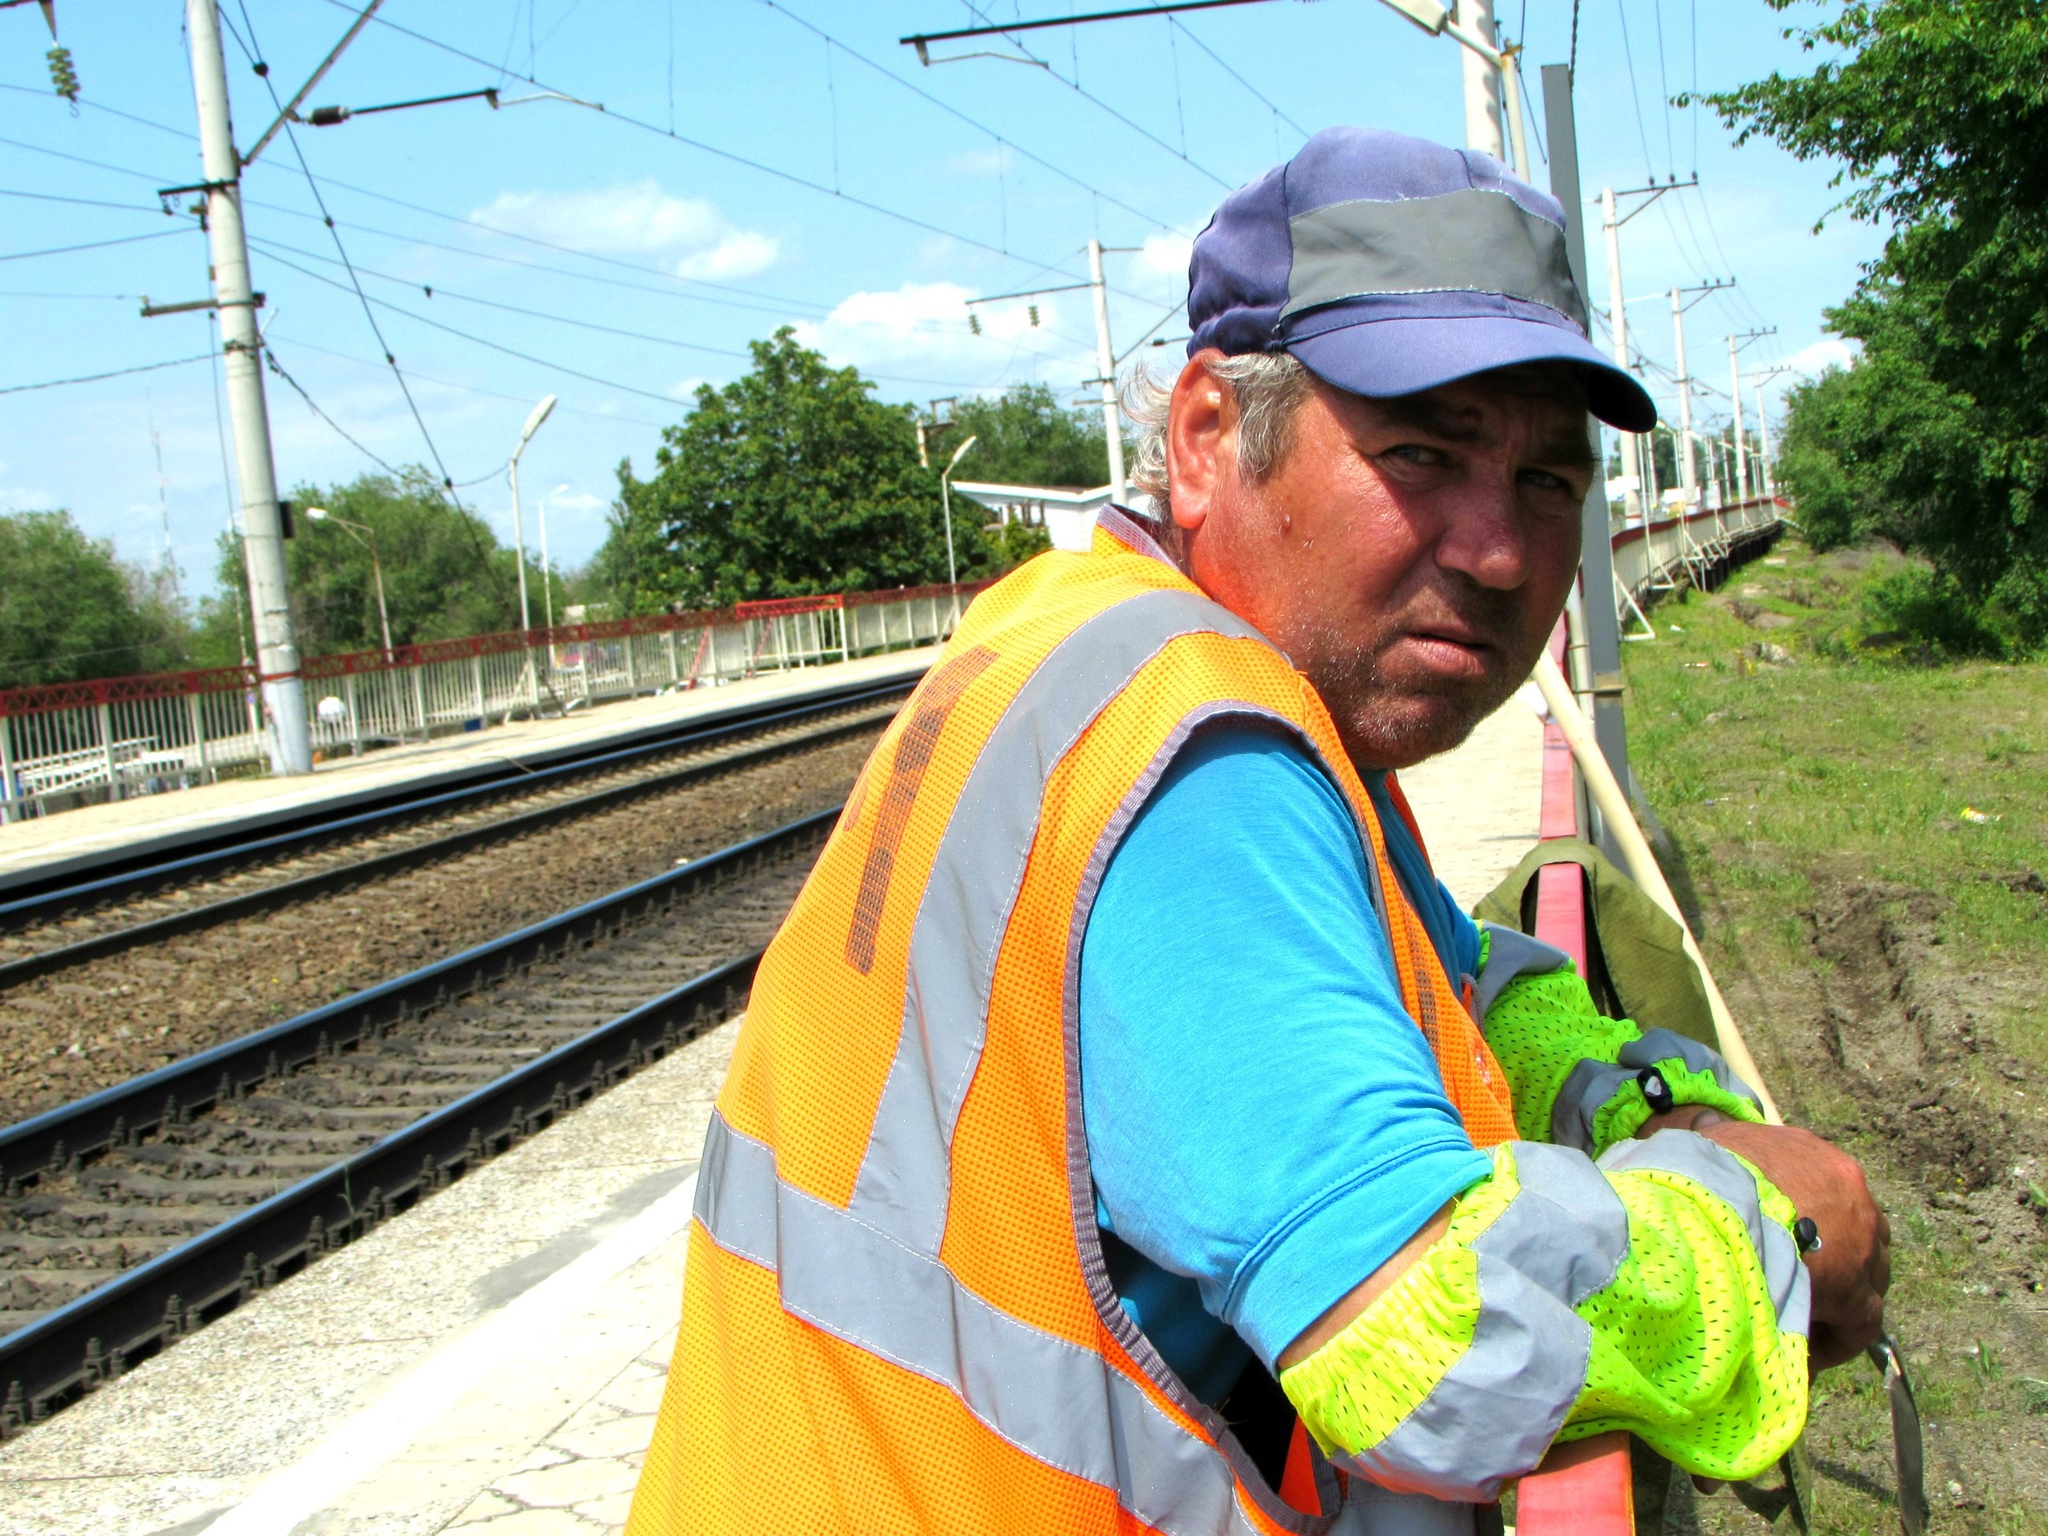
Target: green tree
[
  {"x": 1029, "y": 438},
  {"x": 1938, "y": 436},
  {"x": 70, "y": 610},
  {"x": 445, "y": 574},
  {"x": 790, "y": 481}
]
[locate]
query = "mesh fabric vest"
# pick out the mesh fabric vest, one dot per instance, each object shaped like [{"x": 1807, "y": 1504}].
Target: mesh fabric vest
[{"x": 896, "y": 1316}]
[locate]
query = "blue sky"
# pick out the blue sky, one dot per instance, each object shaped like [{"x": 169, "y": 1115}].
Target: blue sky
[{"x": 756, "y": 164}]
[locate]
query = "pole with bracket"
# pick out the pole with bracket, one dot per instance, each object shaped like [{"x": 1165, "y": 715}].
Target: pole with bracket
[
  {"x": 1596, "y": 556},
  {"x": 277, "y": 652}
]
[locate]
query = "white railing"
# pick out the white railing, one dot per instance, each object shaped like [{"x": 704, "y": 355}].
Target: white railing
[
  {"x": 1680, "y": 551},
  {"x": 72, "y": 744}
]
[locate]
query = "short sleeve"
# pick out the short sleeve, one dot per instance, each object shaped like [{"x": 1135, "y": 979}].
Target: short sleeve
[{"x": 1262, "y": 1114}]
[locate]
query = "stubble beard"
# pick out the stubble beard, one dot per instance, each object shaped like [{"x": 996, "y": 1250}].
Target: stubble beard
[{"x": 1388, "y": 721}]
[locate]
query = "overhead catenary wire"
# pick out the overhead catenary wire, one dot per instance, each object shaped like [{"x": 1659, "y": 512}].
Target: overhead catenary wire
[
  {"x": 270, "y": 357},
  {"x": 948, "y": 108},
  {"x": 1223, "y": 64},
  {"x": 1075, "y": 86},
  {"x": 90, "y": 245},
  {"x": 111, "y": 373},
  {"x": 791, "y": 177},
  {"x": 542, "y": 362},
  {"x": 298, "y": 152},
  {"x": 300, "y": 344}
]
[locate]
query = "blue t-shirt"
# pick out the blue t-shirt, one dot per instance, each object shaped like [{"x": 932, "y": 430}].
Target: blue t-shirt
[{"x": 1265, "y": 1122}]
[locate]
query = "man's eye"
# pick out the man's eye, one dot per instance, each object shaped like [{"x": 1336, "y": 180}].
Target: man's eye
[
  {"x": 1415, "y": 453},
  {"x": 1543, "y": 479}
]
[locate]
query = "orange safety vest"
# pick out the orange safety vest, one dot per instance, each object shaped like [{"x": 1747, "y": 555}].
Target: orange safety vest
[{"x": 896, "y": 1316}]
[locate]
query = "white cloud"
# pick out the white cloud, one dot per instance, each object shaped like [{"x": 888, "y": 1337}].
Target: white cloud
[
  {"x": 1828, "y": 352},
  {"x": 687, "y": 234},
  {"x": 925, "y": 325},
  {"x": 1167, "y": 256},
  {"x": 738, "y": 253}
]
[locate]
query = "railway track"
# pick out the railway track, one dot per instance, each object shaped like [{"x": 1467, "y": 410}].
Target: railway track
[
  {"x": 54, "y": 921},
  {"x": 133, "y": 1216}
]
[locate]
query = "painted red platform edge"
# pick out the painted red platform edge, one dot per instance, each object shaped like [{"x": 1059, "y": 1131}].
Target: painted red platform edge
[{"x": 1583, "y": 1489}]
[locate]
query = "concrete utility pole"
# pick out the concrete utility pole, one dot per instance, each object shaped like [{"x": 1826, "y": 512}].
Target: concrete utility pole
[
  {"x": 1741, "y": 448},
  {"x": 1482, "y": 83},
  {"x": 1688, "y": 467},
  {"x": 1596, "y": 549},
  {"x": 1763, "y": 427},
  {"x": 1617, "y": 325},
  {"x": 277, "y": 650},
  {"x": 1105, "y": 368}
]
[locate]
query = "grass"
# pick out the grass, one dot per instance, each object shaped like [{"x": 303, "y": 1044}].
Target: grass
[{"x": 1784, "y": 755}]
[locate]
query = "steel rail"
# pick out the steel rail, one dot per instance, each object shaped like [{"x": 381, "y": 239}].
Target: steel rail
[
  {"x": 33, "y": 900},
  {"x": 88, "y": 1341},
  {"x": 271, "y": 898}
]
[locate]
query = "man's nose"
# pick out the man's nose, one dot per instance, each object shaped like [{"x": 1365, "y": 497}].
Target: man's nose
[{"x": 1483, "y": 536}]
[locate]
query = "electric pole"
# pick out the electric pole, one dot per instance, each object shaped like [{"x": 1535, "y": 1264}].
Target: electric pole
[
  {"x": 1105, "y": 368},
  {"x": 1482, "y": 83},
  {"x": 1741, "y": 463},
  {"x": 1763, "y": 427},
  {"x": 1617, "y": 325},
  {"x": 1741, "y": 452},
  {"x": 277, "y": 651},
  {"x": 1688, "y": 463},
  {"x": 1599, "y": 604}
]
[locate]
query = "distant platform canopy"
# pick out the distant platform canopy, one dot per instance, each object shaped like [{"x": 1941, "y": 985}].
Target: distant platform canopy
[{"x": 1065, "y": 512}]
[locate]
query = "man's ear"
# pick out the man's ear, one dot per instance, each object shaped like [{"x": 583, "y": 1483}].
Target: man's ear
[{"x": 1200, "y": 440}]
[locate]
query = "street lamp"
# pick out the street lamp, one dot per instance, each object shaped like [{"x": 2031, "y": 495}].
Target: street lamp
[
  {"x": 946, "y": 502},
  {"x": 540, "y": 414},
  {"x": 363, "y": 536},
  {"x": 547, "y": 582}
]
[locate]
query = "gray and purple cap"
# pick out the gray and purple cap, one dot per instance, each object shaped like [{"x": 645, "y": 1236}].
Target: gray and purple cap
[{"x": 1388, "y": 265}]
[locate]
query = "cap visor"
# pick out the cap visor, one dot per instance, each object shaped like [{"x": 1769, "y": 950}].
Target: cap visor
[{"x": 1384, "y": 358}]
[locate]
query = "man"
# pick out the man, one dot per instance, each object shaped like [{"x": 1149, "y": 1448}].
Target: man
[{"x": 1127, "y": 1130}]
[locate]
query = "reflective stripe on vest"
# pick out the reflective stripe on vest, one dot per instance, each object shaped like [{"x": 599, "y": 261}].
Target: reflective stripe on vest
[
  {"x": 1001, "y": 790},
  {"x": 1042, "y": 1394}
]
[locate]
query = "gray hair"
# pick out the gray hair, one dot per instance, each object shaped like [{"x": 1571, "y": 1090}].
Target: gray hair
[{"x": 1269, "y": 388}]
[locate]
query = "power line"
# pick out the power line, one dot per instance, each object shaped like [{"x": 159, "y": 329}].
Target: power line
[
  {"x": 1075, "y": 86},
  {"x": 83, "y": 202},
  {"x": 112, "y": 373},
  {"x": 911, "y": 220},
  {"x": 542, "y": 362},
  {"x": 1635, "y": 94},
  {"x": 952, "y": 111},
  {"x": 312, "y": 186},
  {"x": 90, "y": 245},
  {"x": 270, "y": 357},
  {"x": 1188, "y": 33},
  {"x": 302, "y": 345}
]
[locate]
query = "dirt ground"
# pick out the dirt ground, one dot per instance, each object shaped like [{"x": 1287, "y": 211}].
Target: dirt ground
[
  {"x": 1863, "y": 837},
  {"x": 79, "y": 1030}
]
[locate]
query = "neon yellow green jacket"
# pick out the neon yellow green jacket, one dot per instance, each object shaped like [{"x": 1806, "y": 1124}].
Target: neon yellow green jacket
[{"x": 1657, "y": 1290}]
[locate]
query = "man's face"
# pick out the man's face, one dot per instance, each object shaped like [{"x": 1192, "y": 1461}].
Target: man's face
[{"x": 1411, "y": 556}]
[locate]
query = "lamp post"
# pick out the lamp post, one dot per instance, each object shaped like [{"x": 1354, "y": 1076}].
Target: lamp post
[
  {"x": 364, "y": 536},
  {"x": 540, "y": 414},
  {"x": 946, "y": 502},
  {"x": 547, "y": 582}
]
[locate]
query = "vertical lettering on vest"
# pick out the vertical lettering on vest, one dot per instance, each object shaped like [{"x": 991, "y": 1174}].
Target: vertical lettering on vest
[
  {"x": 1421, "y": 954},
  {"x": 914, "y": 748}
]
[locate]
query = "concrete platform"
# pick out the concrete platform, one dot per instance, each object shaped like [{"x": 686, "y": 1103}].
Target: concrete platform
[
  {"x": 491, "y": 1361},
  {"x": 97, "y": 830}
]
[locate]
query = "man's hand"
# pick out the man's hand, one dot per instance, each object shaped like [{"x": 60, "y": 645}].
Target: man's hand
[{"x": 1852, "y": 1268}]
